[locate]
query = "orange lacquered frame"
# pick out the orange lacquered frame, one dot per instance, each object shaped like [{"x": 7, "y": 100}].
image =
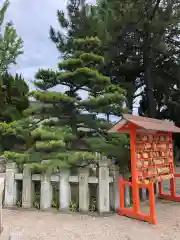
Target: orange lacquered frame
[{"x": 135, "y": 211}]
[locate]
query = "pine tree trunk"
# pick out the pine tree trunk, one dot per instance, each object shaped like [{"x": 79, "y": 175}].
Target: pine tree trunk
[
  {"x": 150, "y": 96},
  {"x": 147, "y": 74},
  {"x": 108, "y": 117}
]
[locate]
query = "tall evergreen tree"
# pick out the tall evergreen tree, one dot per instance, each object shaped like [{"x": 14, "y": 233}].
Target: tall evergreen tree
[
  {"x": 76, "y": 22},
  {"x": 74, "y": 132},
  {"x": 71, "y": 131},
  {"x": 141, "y": 40}
]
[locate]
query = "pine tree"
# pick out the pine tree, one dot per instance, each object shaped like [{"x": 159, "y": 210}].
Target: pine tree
[
  {"x": 75, "y": 23},
  {"x": 141, "y": 40},
  {"x": 71, "y": 131}
]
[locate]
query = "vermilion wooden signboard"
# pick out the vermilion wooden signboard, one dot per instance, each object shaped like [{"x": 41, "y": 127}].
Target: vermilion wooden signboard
[{"x": 151, "y": 162}]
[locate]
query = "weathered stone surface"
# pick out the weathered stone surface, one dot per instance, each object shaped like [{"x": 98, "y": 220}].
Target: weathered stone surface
[
  {"x": 10, "y": 185},
  {"x": 103, "y": 187},
  {"x": 114, "y": 188},
  {"x": 127, "y": 195},
  {"x": 83, "y": 190},
  {"x": 27, "y": 191},
  {"x": 16, "y": 236},
  {"x": 1, "y": 194},
  {"x": 46, "y": 192},
  {"x": 65, "y": 191}
]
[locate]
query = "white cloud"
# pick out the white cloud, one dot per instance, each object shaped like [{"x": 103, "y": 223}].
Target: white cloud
[{"x": 32, "y": 19}]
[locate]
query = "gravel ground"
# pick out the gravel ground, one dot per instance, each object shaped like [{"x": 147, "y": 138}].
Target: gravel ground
[{"x": 36, "y": 225}]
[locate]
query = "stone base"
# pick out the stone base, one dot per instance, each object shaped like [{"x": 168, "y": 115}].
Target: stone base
[{"x": 15, "y": 236}]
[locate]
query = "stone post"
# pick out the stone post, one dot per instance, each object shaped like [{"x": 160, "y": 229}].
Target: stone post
[
  {"x": 1, "y": 194},
  {"x": 2, "y": 164},
  {"x": 156, "y": 189},
  {"x": 143, "y": 194},
  {"x": 65, "y": 191},
  {"x": 127, "y": 189},
  {"x": 114, "y": 188},
  {"x": 16, "y": 236},
  {"x": 83, "y": 190},
  {"x": 127, "y": 195},
  {"x": 1, "y": 221},
  {"x": 46, "y": 192},
  {"x": 27, "y": 189},
  {"x": 10, "y": 185},
  {"x": 103, "y": 187}
]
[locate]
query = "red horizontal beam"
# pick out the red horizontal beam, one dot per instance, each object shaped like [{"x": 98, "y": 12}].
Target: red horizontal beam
[{"x": 169, "y": 197}]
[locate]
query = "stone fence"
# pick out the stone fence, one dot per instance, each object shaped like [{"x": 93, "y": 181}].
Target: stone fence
[{"x": 106, "y": 188}]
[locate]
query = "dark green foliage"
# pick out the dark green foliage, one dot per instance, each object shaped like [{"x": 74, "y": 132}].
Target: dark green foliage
[
  {"x": 13, "y": 97},
  {"x": 71, "y": 133},
  {"x": 141, "y": 47},
  {"x": 77, "y": 23},
  {"x": 13, "y": 101}
]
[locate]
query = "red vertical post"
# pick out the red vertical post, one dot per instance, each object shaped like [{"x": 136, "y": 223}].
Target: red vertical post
[
  {"x": 135, "y": 188},
  {"x": 172, "y": 181},
  {"x": 152, "y": 203},
  {"x": 172, "y": 187},
  {"x": 172, "y": 165}
]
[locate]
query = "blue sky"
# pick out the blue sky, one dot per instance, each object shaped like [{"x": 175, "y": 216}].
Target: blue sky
[{"x": 32, "y": 19}]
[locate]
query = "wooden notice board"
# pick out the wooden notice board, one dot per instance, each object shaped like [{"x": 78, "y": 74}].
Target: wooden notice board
[
  {"x": 151, "y": 149},
  {"x": 154, "y": 157}
]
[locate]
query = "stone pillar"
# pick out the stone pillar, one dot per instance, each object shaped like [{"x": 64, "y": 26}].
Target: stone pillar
[
  {"x": 16, "y": 236},
  {"x": 1, "y": 194},
  {"x": 103, "y": 187},
  {"x": 127, "y": 195},
  {"x": 2, "y": 164},
  {"x": 65, "y": 191},
  {"x": 46, "y": 192},
  {"x": 114, "y": 188},
  {"x": 83, "y": 190},
  {"x": 143, "y": 194},
  {"x": 10, "y": 185},
  {"x": 1, "y": 221},
  {"x": 27, "y": 188},
  {"x": 156, "y": 189}
]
